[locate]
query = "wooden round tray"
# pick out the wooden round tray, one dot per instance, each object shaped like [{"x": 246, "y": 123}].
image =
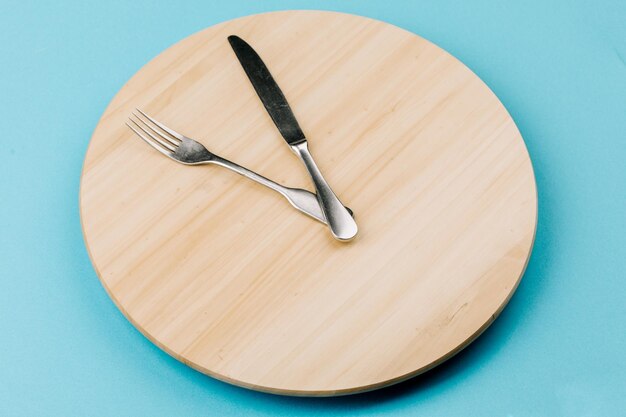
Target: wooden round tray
[{"x": 227, "y": 277}]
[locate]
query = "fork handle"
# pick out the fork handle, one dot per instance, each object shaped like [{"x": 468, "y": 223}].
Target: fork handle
[{"x": 303, "y": 200}]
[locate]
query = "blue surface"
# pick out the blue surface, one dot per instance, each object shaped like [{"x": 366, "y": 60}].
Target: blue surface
[{"x": 559, "y": 348}]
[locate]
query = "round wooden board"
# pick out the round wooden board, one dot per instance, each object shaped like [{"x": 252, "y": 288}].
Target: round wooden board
[{"x": 226, "y": 276}]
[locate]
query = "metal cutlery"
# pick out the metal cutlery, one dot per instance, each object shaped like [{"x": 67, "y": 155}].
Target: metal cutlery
[
  {"x": 339, "y": 219},
  {"x": 189, "y": 152}
]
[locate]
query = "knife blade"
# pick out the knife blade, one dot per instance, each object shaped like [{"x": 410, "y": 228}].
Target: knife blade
[
  {"x": 342, "y": 225},
  {"x": 268, "y": 91}
]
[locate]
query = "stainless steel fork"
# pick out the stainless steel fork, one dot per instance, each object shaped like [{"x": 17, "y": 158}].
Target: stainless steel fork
[{"x": 189, "y": 152}]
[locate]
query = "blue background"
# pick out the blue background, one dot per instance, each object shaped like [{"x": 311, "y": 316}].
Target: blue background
[{"x": 559, "y": 348}]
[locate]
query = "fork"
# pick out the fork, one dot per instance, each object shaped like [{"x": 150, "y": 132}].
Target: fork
[{"x": 189, "y": 152}]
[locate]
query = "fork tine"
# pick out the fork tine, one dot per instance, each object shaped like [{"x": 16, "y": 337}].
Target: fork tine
[
  {"x": 155, "y": 130},
  {"x": 162, "y": 126},
  {"x": 151, "y": 142},
  {"x": 147, "y": 139},
  {"x": 148, "y": 130}
]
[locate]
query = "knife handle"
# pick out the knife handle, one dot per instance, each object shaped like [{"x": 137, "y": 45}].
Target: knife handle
[{"x": 342, "y": 225}]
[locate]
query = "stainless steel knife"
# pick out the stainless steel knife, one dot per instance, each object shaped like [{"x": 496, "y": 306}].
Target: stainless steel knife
[{"x": 341, "y": 223}]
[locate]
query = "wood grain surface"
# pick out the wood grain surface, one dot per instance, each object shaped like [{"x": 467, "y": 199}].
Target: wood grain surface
[{"x": 226, "y": 276}]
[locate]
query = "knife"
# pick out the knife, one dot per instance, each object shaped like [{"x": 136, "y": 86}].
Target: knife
[{"x": 342, "y": 225}]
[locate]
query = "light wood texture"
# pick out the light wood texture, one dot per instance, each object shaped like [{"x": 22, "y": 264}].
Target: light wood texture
[{"x": 226, "y": 276}]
